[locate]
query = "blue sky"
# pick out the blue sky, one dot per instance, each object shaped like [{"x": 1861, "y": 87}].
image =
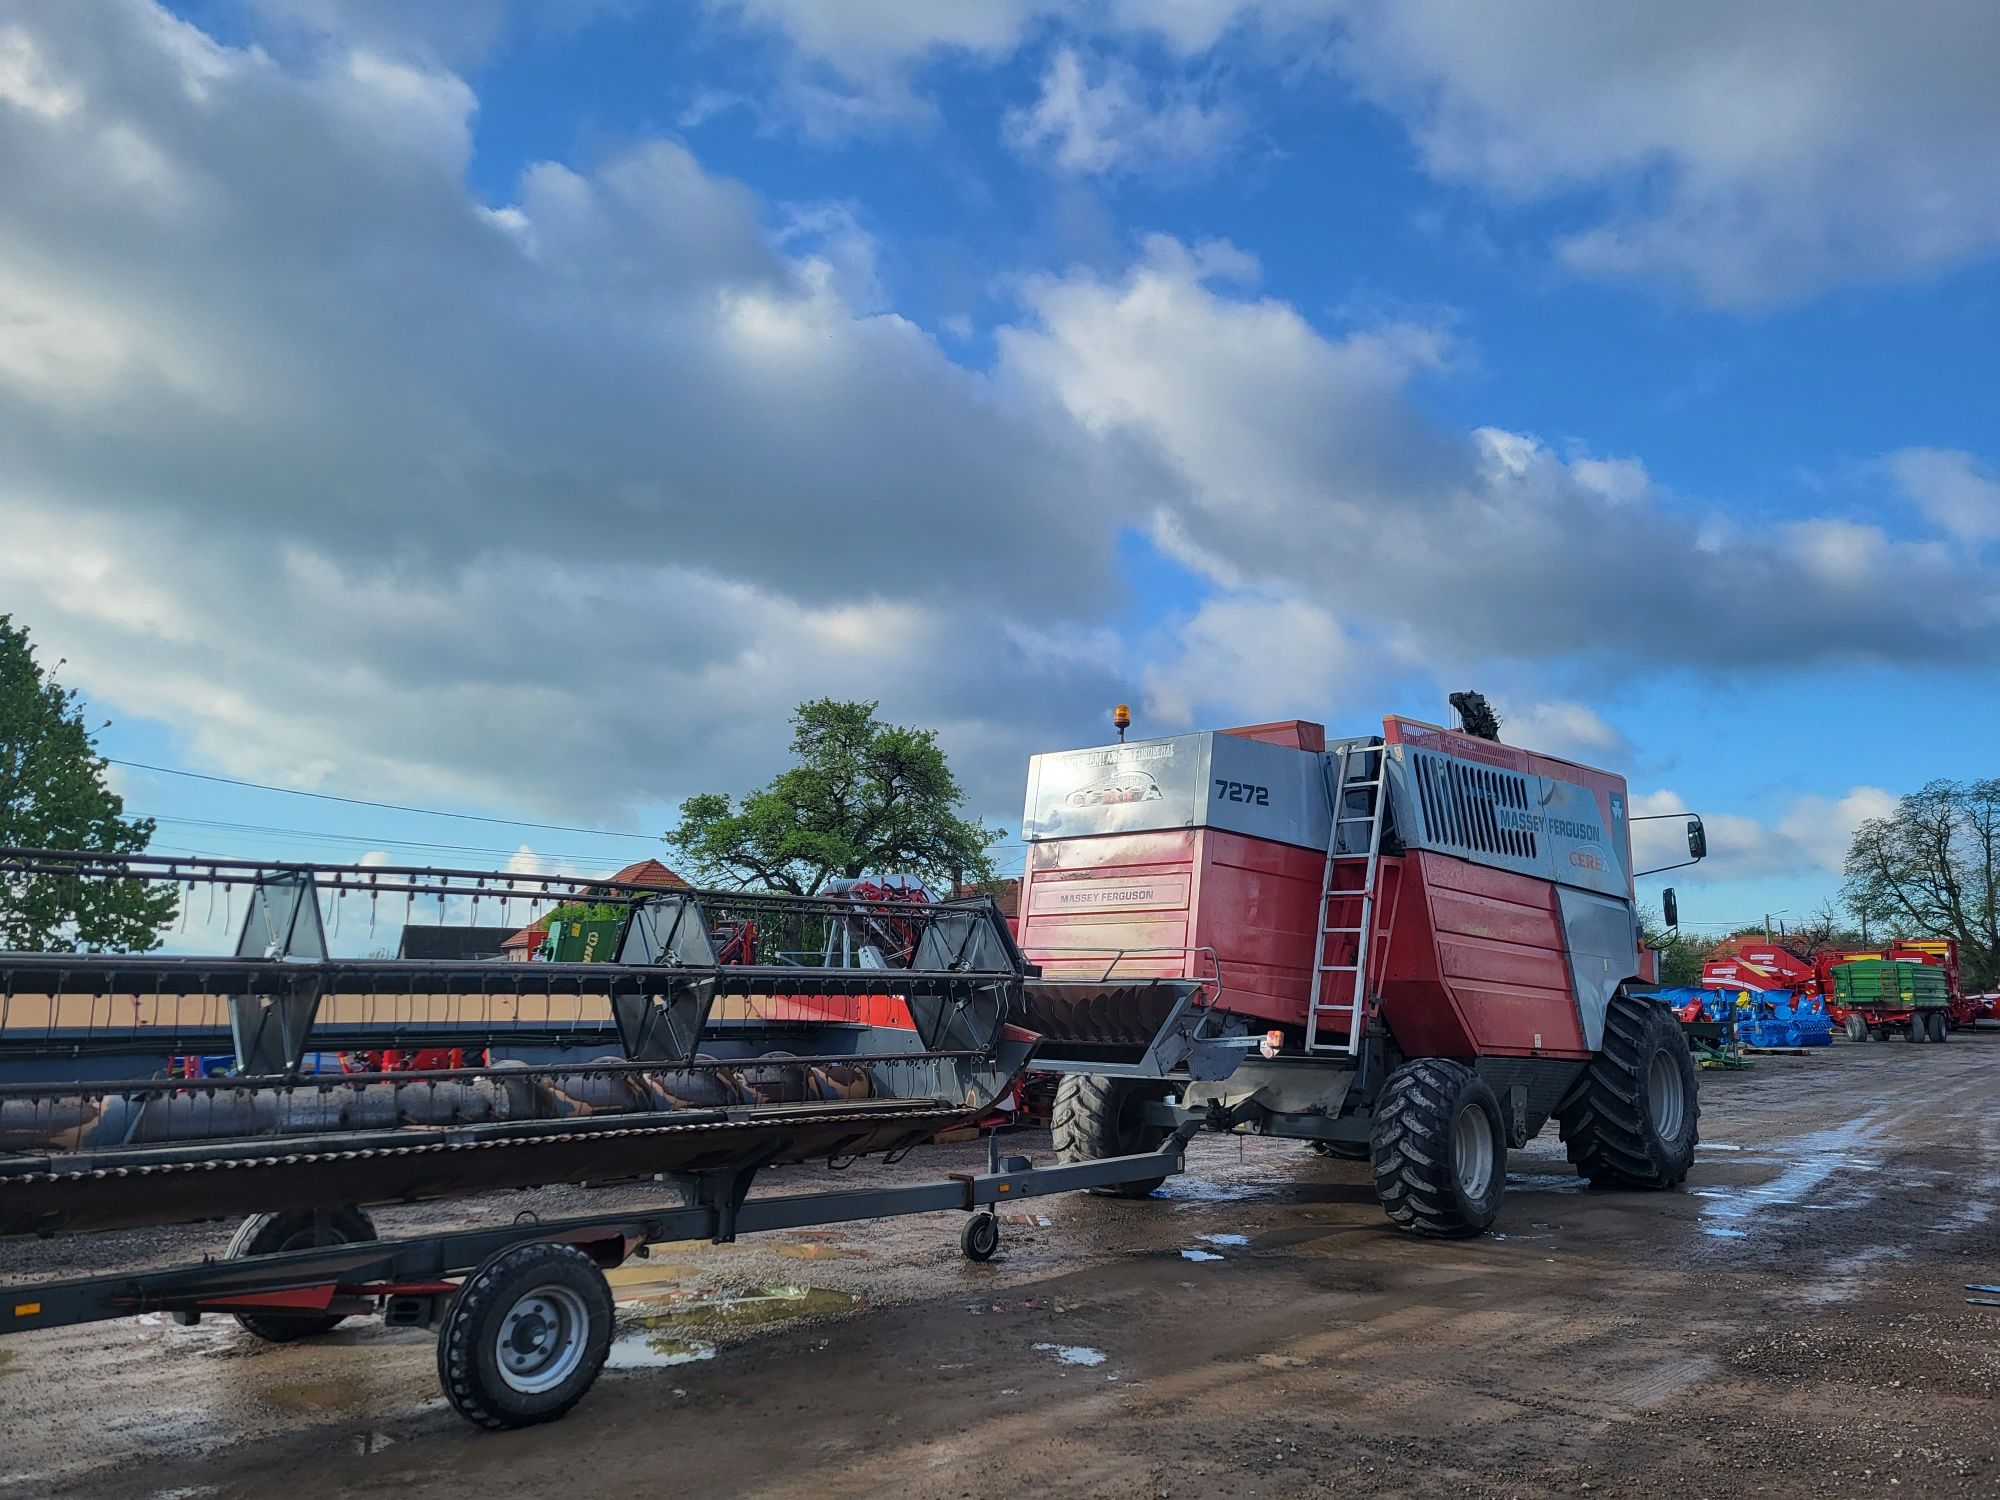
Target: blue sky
[{"x": 514, "y": 408}]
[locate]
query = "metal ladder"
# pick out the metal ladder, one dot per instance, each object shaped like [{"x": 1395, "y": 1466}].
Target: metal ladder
[{"x": 1320, "y": 1008}]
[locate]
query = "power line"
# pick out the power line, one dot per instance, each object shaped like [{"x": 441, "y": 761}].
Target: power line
[
  {"x": 428, "y": 812},
  {"x": 327, "y": 835}
]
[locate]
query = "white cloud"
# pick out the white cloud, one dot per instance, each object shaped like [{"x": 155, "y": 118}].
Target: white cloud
[
  {"x": 1809, "y": 838},
  {"x": 1283, "y": 458},
  {"x": 1751, "y": 154},
  {"x": 1570, "y": 730},
  {"x": 349, "y": 475},
  {"x": 1116, "y": 122},
  {"x": 563, "y": 502},
  {"x": 1951, "y": 488},
  {"x": 1253, "y": 659},
  {"x": 1760, "y": 152}
]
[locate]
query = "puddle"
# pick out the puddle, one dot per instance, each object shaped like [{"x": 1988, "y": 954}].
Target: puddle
[
  {"x": 1225, "y": 1239},
  {"x": 365, "y": 1443},
  {"x": 316, "y": 1396},
  {"x": 758, "y": 1307},
  {"x": 642, "y": 1350},
  {"x": 1072, "y": 1354},
  {"x": 1199, "y": 1255},
  {"x": 1812, "y": 1161},
  {"x": 1715, "y": 1146}
]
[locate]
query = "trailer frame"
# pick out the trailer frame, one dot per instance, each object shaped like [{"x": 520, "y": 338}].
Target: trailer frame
[{"x": 416, "y": 1281}]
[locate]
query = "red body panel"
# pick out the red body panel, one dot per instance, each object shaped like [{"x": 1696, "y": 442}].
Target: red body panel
[
  {"x": 1476, "y": 964},
  {"x": 1252, "y": 901}
]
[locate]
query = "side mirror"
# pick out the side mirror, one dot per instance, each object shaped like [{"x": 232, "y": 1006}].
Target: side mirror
[
  {"x": 1697, "y": 839},
  {"x": 1670, "y": 907}
]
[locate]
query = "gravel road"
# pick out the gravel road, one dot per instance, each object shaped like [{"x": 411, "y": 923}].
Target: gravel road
[{"x": 1791, "y": 1324}]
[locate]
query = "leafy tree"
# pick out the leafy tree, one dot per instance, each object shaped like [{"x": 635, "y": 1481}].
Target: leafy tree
[
  {"x": 1932, "y": 869},
  {"x": 1681, "y": 955},
  {"x": 53, "y": 796},
  {"x": 863, "y": 797}
]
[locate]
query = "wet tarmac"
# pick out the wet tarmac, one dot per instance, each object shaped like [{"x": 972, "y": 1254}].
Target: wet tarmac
[{"x": 1792, "y": 1324}]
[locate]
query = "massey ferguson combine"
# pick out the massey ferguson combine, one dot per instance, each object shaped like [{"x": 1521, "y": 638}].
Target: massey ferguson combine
[{"x": 1414, "y": 948}]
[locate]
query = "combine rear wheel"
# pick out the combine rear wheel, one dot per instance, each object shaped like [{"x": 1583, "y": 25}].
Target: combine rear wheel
[
  {"x": 1438, "y": 1149},
  {"x": 526, "y": 1336},
  {"x": 295, "y": 1229},
  {"x": 1096, "y": 1117},
  {"x": 1631, "y": 1119}
]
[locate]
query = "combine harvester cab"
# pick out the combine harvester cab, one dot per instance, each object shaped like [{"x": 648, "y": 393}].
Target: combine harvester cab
[{"x": 1413, "y": 948}]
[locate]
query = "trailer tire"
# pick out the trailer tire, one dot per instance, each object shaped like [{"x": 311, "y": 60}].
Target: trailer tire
[
  {"x": 1918, "y": 1030},
  {"x": 1857, "y": 1029},
  {"x": 980, "y": 1238},
  {"x": 1438, "y": 1149},
  {"x": 526, "y": 1336},
  {"x": 1096, "y": 1117},
  {"x": 1633, "y": 1118},
  {"x": 1940, "y": 1026},
  {"x": 294, "y": 1229}
]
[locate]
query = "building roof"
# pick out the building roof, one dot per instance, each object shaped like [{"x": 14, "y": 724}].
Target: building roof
[
  {"x": 650, "y": 872},
  {"x": 1006, "y": 894}
]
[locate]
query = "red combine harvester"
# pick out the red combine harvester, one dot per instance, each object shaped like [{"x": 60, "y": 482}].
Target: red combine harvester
[{"x": 1414, "y": 948}]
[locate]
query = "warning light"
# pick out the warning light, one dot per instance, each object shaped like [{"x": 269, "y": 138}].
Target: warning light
[{"x": 1121, "y": 720}]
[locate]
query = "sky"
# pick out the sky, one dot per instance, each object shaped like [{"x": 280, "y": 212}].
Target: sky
[{"x": 515, "y": 408}]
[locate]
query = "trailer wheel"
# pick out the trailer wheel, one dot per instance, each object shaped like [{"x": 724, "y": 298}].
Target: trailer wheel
[
  {"x": 1632, "y": 1119},
  {"x": 1438, "y": 1149},
  {"x": 526, "y": 1336},
  {"x": 1918, "y": 1030},
  {"x": 294, "y": 1229},
  {"x": 1857, "y": 1029},
  {"x": 980, "y": 1237},
  {"x": 1096, "y": 1117},
  {"x": 1940, "y": 1027}
]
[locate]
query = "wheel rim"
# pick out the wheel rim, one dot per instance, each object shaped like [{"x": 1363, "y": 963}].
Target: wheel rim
[
  {"x": 541, "y": 1340},
  {"x": 1472, "y": 1151},
  {"x": 1666, "y": 1095}
]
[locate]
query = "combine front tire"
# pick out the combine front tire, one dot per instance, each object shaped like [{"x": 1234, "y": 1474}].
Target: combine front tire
[
  {"x": 295, "y": 1229},
  {"x": 1438, "y": 1149},
  {"x": 526, "y": 1336},
  {"x": 1631, "y": 1120},
  {"x": 1096, "y": 1117}
]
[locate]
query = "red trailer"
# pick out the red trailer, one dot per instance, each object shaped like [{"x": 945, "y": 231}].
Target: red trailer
[{"x": 1416, "y": 947}]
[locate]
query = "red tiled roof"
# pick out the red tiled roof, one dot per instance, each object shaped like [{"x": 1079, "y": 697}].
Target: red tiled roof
[
  {"x": 1006, "y": 894},
  {"x": 651, "y": 872}
]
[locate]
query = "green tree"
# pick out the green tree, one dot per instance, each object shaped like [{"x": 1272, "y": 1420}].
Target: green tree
[
  {"x": 1932, "y": 869},
  {"x": 53, "y": 796},
  {"x": 863, "y": 797},
  {"x": 1681, "y": 956}
]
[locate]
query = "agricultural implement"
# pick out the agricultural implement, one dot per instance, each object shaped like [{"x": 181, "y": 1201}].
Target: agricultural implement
[
  {"x": 1416, "y": 948},
  {"x": 896, "y": 1027},
  {"x": 1909, "y": 988}
]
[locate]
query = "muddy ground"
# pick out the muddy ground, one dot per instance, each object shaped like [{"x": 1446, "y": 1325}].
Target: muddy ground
[{"x": 1792, "y": 1324}]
